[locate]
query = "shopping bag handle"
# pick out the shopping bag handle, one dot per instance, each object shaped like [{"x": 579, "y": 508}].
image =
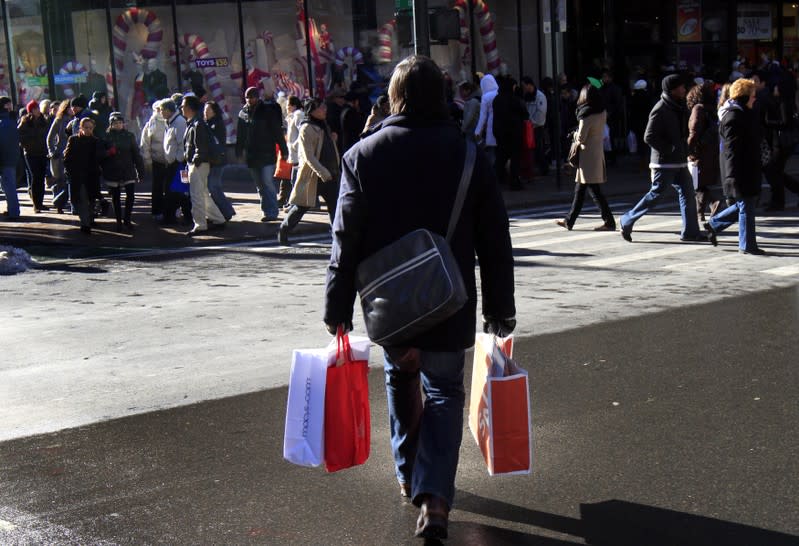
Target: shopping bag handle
[{"x": 343, "y": 348}]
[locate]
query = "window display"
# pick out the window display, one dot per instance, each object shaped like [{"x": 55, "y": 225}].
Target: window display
[{"x": 27, "y": 39}]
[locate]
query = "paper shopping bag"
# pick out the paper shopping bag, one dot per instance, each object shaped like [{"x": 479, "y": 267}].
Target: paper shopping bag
[
  {"x": 303, "y": 441},
  {"x": 499, "y": 407},
  {"x": 347, "y": 419}
]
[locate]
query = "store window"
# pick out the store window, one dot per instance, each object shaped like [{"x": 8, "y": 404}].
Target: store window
[
  {"x": 78, "y": 42},
  {"x": 790, "y": 33},
  {"x": 757, "y": 33},
  {"x": 29, "y": 60},
  {"x": 209, "y": 45},
  {"x": 142, "y": 51}
]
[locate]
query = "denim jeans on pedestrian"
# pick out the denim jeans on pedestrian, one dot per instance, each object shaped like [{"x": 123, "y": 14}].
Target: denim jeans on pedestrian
[
  {"x": 680, "y": 180},
  {"x": 9, "y": 185},
  {"x": 60, "y": 186},
  {"x": 217, "y": 193},
  {"x": 426, "y": 438},
  {"x": 743, "y": 212},
  {"x": 265, "y": 184}
]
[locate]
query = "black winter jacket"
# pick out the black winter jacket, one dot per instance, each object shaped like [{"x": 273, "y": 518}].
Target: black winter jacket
[
  {"x": 382, "y": 178},
  {"x": 126, "y": 163},
  {"x": 33, "y": 135},
  {"x": 509, "y": 115},
  {"x": 216, "y": 126},
  {"x": 197, "y": 142},
  {"x": 259, "y": 129},
  {"x": 740, "y": 150},
  {"x": 667, "y": 134},
  {"x": 82, "y": 158}
]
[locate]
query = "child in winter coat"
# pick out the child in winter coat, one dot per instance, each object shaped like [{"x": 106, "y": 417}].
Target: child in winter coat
[{"x": 122, "y": 167}]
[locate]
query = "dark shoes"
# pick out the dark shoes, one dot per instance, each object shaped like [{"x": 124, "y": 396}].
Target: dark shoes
[
  {"x": 86, "y": 230},
  {"x": 563, "y": 224},
  {"x": 626, "y": 235},
  {"x": 711, "y": 234},
  {"x": 268, "y": 218},
  {"x": 196, "y": 232},
  {"x": 433, "y": 518},
  {"x": 283, "y": 235},
  {"x": 755, "y": 251},
  {"x": 605, "y": 227},
  {"x": 701, "y": 238},
  {"x": 213, "y": 226}
]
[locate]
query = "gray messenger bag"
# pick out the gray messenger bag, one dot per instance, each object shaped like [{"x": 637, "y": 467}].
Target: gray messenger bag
[{"x": 414, "y": 283}]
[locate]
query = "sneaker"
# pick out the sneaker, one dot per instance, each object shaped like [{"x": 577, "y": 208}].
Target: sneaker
[{"x": 626, "y": 235}]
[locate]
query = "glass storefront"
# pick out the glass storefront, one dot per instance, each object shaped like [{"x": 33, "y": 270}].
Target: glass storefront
[{"x": 140, "y": 51}]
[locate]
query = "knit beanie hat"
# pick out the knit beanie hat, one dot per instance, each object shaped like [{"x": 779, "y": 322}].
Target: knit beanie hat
[
  {"x": 79, "y": 101},
  {"x": 31, "y": 105},
  {"x": 672, "y": 82},
  {"x": 114, "y": 116},
  {"x": 251, "y": 92}
]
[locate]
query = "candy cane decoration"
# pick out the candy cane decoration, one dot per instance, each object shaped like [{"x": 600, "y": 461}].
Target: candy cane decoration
[
  {"x": 201, "y": 51},
  {"x": 71, "y": 67},
  {"x": 488, "y": 37},
  {"x": 385, "y": 41},
  {"x": 122, "y": 26}
]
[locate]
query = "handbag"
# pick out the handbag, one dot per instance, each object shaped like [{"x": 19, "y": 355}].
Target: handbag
[
  {"x": 414, "y": 283},
  {"x": 499, "y": 407},
  {"x": 573, "y": 159},
  {"x": 765, "y": 152},
  {"x": 304, "y": 435},
  {"x": 283, "y": 167},
  {"x": 347, "y": 420}
]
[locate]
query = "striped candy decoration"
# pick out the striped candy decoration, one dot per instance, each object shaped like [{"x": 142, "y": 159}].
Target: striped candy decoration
[
  {"x": 124, "y": 22},
  {"x": 384, "y": 39},
  {"x": 70, "y": 67},
  {"x": 488, "y": 37},
  {"x": 201, "y": 51},
  {"x": 344, "y": 52}
]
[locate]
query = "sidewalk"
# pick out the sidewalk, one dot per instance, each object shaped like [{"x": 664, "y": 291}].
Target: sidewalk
[{"x": 55, "y": 234}]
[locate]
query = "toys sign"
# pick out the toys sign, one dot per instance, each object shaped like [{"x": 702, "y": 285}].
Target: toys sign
[{"x": 213, "y": 62}]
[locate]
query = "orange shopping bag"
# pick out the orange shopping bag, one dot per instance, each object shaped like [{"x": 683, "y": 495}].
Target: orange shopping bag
[
  {"x": 499, "y": 408},
  {"x": 347, "y": 420}
]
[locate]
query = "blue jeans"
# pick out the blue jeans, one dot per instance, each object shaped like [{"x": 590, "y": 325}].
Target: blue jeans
[
  {"x": 680, "y": 180},
  {"x": 743, "y": 212},
  {"x": 265, "y": 184},
  {"x": 426, "y": 439},
  {"x": 217, "y": 193},
  {"x": 9, "y": 185}
]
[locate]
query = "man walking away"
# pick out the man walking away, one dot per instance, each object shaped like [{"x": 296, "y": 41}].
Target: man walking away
[
  {"x": 198, "y": 150},
  {"x": 379, "y": 203},
  {"x": 260, "y": 128},
  {"x": 667, "y": 135},
  {"x": 509, "y": 115}
]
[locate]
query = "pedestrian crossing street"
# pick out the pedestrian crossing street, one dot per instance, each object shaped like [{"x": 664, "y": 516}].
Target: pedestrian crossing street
[{"x": 656, "y": 245}]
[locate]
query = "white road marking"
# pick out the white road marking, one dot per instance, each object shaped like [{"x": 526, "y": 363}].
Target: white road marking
[
  {"x": 784, "y": 271},
  {"x": 592, "y": 235},
  {"x": 645, "y": 255}
]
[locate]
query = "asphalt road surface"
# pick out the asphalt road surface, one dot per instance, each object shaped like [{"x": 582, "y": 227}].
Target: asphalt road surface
[{"x": 664, "y": 393}]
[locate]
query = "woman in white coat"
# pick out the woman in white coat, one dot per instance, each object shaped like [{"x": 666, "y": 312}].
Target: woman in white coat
[{"x": 591, "y": 172}]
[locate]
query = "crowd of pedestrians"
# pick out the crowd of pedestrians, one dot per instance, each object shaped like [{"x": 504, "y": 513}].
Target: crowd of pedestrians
[{"x": 293, "y": 148}]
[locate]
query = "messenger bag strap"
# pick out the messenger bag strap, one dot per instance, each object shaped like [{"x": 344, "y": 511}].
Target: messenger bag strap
[{"x": 463, "y": 187}]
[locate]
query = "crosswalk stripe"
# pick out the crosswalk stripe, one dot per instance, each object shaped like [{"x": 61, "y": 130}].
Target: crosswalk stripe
[
  {"x": 784, "y": 271},
  {"x": 645, "y": 255},
  {"x": 592, "y": 235},
  {"x": 697, "y": 264}
]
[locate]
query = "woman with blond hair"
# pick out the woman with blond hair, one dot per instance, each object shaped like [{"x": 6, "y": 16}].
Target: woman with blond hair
[
  {"x": 739, "y": 158},
  {"x": 56, "y": 143}
]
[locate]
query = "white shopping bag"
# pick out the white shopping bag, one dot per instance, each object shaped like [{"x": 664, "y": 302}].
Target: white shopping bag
[
  {"x": 304, "y": 437},
  {"x": 693, "y": 168}
]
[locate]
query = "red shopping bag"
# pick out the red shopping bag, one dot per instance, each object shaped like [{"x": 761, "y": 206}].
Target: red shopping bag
[
  {"x": 499, "y": 408},
  {"x": 529, "y": 135},
  {"x": 347, "y": 420},
  {"x": 283, "y": 167}
]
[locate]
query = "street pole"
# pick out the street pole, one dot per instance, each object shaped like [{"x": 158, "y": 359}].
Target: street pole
[
  {"x": 553, "y": 6},
  {"x": 421, "y": 28}
]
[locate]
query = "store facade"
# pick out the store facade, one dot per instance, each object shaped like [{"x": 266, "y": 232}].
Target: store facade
[
  {"x": 705, "y": 36},
  {"x": 137, "y": 52}
]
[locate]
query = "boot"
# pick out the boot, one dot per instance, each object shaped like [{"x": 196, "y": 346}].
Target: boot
[
  {"x": 433, "y": 518},
  {"x": 283, "y": 193}
]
